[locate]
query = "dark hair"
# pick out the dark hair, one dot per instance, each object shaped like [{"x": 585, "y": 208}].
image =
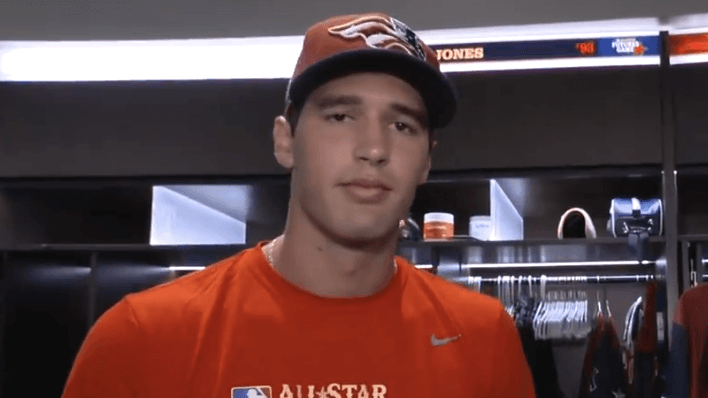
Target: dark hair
[{"x": 292, "y": 115}]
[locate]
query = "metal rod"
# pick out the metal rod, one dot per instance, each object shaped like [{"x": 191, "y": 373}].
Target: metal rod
[
  {"x": 576, "y": 279},
  {"x": 558, "y": 264}
]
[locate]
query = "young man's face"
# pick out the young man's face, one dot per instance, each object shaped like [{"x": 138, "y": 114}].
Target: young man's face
[{"x": 359, "y": 151}]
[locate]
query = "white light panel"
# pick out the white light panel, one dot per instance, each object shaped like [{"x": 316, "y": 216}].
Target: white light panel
[{"x": 254, "y": 58}]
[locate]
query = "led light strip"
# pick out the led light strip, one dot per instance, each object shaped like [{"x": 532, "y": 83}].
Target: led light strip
[
  {"x": 555, "y": 264},
  {"x": 199, "y": 268},
  {"x": 186, "y": 268},
  {"x": 253, "y": 58},
  {"x": 272, "y": 57},
  {"x": 549, "y": 64},
  {"x": 688, "y": 59},
  {"x": 689, "y": 31}
]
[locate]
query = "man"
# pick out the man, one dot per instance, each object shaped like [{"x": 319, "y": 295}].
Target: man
[{"x": 325, "y": 309}]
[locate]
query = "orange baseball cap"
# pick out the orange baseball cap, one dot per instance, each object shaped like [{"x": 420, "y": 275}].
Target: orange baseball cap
[{"x": 372, "y": 42}]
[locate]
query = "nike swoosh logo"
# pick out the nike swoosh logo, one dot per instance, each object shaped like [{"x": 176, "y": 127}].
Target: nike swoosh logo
[{"x": 436, "y": 342}]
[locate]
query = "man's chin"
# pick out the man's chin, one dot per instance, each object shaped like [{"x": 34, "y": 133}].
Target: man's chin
[{"x": 367, "y": 238}]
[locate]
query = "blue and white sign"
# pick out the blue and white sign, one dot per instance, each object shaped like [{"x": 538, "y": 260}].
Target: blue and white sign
[{"x": 628, "y": 46}]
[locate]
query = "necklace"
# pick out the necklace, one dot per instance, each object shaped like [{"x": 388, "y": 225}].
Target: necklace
[
  {"x": 270, "y": 247},
  {"x": 268, "y": 251}
]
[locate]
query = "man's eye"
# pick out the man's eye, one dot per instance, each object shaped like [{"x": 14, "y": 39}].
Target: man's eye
[
  {"x": 338, "y": 117},
  {"x": 406, "y": 128}
]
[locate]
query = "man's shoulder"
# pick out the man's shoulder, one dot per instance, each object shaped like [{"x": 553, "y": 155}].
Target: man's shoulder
[
  {"x": 188, "y": 294},
  {"x": 467, "y": 306}
]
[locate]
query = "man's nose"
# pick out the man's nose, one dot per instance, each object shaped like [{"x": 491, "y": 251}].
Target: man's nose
[{"x": 373, "y": 144}]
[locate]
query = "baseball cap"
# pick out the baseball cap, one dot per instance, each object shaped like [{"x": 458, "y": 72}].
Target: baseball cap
[{"x": 373, "y": 42}]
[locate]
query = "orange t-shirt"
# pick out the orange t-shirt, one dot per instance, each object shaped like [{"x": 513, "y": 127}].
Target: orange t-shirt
[{"x": 238, "y": 329}]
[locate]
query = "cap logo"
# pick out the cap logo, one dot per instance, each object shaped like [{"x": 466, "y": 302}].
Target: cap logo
[{"x": 382, "y": 33}]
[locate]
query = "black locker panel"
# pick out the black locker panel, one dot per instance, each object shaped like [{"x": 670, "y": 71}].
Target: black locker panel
[
  {"x": 690, "y": 88},
  {"x": 139, "y": 128},
  {"x": 559, "y": 118},
  {"x": 98, "y": 214},
  {"x": 47, "y": 319},
  {"x": 515, "y": 119},
  {"x": 3, "y": 313},
  {"x": 119, "y": 274}
]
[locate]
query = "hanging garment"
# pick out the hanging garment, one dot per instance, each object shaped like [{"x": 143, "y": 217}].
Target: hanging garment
[
  {"x": 603, "y": 374},
  {"x": 587, "y": 373},
  {"x": 632, "y": 323},
  {"x": 644, "y": 382},
  {"x": 539, "y": 353},
  {"x": 687, "y": 372}
]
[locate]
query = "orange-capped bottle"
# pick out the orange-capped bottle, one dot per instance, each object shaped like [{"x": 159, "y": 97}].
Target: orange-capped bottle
[{"x": 438, "y": 226}]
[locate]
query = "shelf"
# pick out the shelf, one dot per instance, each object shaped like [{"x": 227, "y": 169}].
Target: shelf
[
  {"x": 544, "y": 252},
  {"x": 467, "y": 242},
  {"x": 121, "y": 248},
  {"x": 693, "y": 238},
  {"x": 540, "y": 199},
  {"x": 130, "y": 254},
  {"x": 692, "y": 199},
  {"x": 692, "y": 170},
  {"x": 461, "y": 242},
  {"x": 601, "y": 172},
  {"x": 467, "y": 251}
]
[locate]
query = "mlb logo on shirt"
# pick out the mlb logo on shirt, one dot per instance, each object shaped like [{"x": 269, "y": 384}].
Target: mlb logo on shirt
[{"x": 251, "y": 392}]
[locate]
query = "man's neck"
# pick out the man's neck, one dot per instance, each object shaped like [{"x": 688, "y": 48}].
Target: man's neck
[{"x": 315, "y": 263}]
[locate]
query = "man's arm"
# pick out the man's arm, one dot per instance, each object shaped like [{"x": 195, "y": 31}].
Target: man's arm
[
  {"x": 108, "y": 363},
  {"x": 513, "y": 376}
]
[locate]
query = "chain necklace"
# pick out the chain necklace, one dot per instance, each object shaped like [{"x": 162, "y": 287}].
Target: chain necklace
[
  {"x": 270, "y": 247},
  {"x": 268, "y": 251}
]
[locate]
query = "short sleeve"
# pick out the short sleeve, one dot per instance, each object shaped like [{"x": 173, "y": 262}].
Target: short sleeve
[
  {"x": 108, "y": 363},
  {"x": 513, "y": 377}
]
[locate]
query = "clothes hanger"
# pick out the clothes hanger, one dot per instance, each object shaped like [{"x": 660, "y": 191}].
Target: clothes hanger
[
  {"x": 573, "y": 316},
  {"x": 584, "y": 307},
  {"x": 556, "y": 313},
  {"x": 544, "y": 310},
  {"x": 607, "y": 304}
]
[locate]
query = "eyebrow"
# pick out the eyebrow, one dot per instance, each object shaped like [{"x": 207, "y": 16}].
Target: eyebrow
[
  {"x": 418, "y": 114},
  {"x": 331, "y": 101}
]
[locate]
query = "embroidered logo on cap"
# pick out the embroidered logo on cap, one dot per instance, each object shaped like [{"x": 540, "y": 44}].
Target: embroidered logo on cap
[{"x": 383, "y": 33}]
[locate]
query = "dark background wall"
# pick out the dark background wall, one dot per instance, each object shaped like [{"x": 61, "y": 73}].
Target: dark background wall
[
  {"x": 223, "y": 128},
  {"x": 138, "y": 19}
]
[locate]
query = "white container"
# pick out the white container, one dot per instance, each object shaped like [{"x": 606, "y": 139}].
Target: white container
[{"x": 480, "y": 227}]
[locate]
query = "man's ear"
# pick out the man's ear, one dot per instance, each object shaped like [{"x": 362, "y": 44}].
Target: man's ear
[
  {"x": 426, "y": 171},
  {"x": 283, "y": 142}
]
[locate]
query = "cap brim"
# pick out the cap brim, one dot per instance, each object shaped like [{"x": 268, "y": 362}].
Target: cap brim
[{"x": 435, "y": 89}]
